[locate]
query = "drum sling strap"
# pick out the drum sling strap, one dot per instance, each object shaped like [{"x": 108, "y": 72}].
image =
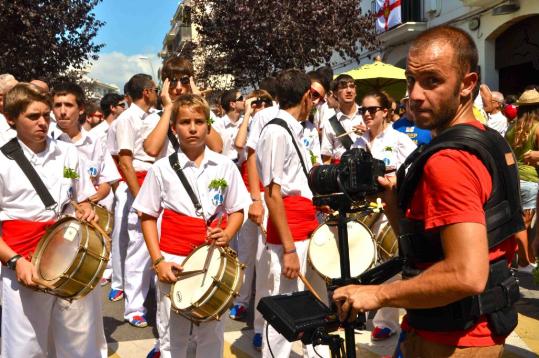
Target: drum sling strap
[
  {"x": 340, "y": 132},
  {"x": 13, "y": 151},
  {"x": 503, "y": 216},
  {"x": 175, "y": 164},
  {"x": 282, "y": 123}
]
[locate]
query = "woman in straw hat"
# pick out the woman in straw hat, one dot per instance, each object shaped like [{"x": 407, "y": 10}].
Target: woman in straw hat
[{"x": 523, "y": 136}]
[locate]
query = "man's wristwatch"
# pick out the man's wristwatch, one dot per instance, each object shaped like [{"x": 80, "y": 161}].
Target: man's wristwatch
[{"x": 12, "y": 262}]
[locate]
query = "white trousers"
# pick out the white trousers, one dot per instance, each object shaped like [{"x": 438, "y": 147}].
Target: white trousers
[
  {"x": 174, "y": 330},
  {"x": 119, "y": 236},
  {"x": 250, "y": 247},
  {"x": 36, "y": 324},
  {"x": 279, "y": 284},
  {"x": 138, "y": 274},
  {"x": 385, "y": 317}
]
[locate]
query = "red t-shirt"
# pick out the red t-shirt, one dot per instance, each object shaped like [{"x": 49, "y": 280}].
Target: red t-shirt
[{"x": 453, "y": 189}]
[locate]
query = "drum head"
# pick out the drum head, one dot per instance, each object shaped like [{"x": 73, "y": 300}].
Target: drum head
[
  {"x": 60, "y": 247},
  {"x": 186, "y": 292},
  {"x": 324, "y": 250}
]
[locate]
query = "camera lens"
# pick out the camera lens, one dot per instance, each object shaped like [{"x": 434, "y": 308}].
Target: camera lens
[{"x": 323, "y": 179}]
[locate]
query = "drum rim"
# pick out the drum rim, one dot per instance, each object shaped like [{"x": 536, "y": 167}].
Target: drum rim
[
  {"x": 67, "y": 276},
  {"x": 325, "y": 277},
  {"x": 206, "y": 297}
]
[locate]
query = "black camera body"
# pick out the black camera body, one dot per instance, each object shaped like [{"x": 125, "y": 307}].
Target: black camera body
[{"x": 355, "y": 176}]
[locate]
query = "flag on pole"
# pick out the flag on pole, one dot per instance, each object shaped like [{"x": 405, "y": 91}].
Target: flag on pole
[{"x": 388, "y": 14}]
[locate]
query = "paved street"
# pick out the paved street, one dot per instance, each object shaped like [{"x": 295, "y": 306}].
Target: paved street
[{"x": 129, "y": 342}]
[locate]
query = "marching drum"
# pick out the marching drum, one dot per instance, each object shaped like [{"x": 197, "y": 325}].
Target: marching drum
[
  {"x": 387, "y": 243},
  {"x": 106, "y": 218},
  {"x": 70, "y": 259},
  {"x": 323, "y": 251},
  {"x": 204, "y": 296}
]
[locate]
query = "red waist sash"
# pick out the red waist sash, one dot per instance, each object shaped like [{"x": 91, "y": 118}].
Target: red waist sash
[
  {"x": 180, "y": 233},
  {"x": 23, "y": 236},
  {"x": 245, "y": 177},
  {"x": 301, "y": 218},
  {"x": 140, "y": 177}
]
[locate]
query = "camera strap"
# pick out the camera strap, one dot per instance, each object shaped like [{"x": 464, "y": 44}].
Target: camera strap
[
  {"x": 12, "y": 150},
  {"x": 340, "y": 132},
  {"x": 175, "y": 164},
  {"x": 282, "y": 123}
]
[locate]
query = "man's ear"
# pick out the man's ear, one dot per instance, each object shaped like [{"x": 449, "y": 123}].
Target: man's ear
[
  {"x": 10, "y": 121},
  {"x": 468, "y": 83}
]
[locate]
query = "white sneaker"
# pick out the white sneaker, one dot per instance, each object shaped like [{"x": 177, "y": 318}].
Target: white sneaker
[{"x": 527, "y": 269}]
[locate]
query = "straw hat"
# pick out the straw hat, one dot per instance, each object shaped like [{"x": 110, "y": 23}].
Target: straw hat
[{"x": 528, "y": 98}]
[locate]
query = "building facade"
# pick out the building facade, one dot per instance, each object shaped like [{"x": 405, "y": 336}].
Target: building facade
[{"x": 506, "y": 34}]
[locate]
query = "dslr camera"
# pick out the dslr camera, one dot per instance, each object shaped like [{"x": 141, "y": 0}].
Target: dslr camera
[{"x": 355, "y": 176}]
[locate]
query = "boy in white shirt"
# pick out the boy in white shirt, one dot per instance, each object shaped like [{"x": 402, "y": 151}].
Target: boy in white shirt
[
  {"x": 35, "y": 323},
  {"x": 182, "y": 226}
]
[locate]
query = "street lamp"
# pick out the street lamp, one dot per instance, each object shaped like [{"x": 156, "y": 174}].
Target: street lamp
[{"x": 146, "y": 58}]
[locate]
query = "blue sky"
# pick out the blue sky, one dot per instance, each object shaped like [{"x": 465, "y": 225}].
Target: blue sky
[{"x": 133, "y": 29}]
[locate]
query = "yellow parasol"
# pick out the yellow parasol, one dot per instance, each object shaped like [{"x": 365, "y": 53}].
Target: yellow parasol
[{"x": 379, "y": 76}]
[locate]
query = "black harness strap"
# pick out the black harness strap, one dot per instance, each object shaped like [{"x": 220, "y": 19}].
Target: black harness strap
[
  {"x": 12, "y": 150},
  {"x": 282, "y": 123},
  {"x": 340, "y": 132},
  {"x": 175, "y": 164}
]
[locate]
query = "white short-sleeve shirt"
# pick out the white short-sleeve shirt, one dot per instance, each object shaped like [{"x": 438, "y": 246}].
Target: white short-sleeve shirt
[
  {"x": 277, "y": 159},
  {"x": 96, "y": 158},
  {"x": 18, "y": 198},
  {"x": 391, "y": 146},
  {"x": 130, "y": 134},
  {"x": 332, "y": 146},
  {"x": 228, "y": 130},
  {"x": 259, "y": 120},
  {"x": 162, "y": 189}
]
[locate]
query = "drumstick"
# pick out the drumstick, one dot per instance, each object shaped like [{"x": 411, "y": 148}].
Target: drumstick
[
  {"x": 300, "y": 275},
  {"x": 210, "y": 253},
  {"x": 309, "y": 286},
  {"x": 345, "y": 134},
  {"x": 96, "y": 226}
]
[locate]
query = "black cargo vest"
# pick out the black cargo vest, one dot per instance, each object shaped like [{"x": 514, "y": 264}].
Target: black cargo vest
[{"x": 503, "y": 214}]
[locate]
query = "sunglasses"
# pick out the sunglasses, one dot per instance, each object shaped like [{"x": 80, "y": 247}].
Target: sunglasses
[
  {"x": 121, "y": 104},
  {"x": 263, "y": 100},
  {"x": 372, "y": 110},
  {"x": 315, "y": 94},
  {"x": 239, "y": 99},
  {"x": 184, "y": 80}
]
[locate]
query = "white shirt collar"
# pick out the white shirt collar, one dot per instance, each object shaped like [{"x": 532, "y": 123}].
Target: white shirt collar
[
  {"x": 210, "y": 157},
  {"x": 292, "y": 122}
]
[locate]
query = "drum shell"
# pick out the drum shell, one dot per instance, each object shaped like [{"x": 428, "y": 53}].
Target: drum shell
[
  {"x": 218, "y": 298},
  {"x": 87, "y": 266},
  {"x": 106, "y": 218}
]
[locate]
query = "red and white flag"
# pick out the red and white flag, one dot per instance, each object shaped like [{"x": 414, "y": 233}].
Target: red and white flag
[{"x": 388, "y": 14}]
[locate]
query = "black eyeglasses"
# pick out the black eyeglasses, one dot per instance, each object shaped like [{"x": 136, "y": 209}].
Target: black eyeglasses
[
  {"x": 184, "y": 80},
  {"x": 372, "y": 110}
]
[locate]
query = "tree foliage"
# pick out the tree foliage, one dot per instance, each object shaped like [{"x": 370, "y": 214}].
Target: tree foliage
[
  {"x": 45, "y": 38},
  {"x": 250, "y": 39}
]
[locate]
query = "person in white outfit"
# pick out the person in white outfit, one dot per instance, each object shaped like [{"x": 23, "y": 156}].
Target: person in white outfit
[
  {"x": 184, "y": 227},
  {"x": 36, "y": 324}
]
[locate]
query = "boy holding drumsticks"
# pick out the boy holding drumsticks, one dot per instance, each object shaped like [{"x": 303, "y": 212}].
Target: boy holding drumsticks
[
  {"x": 35, "y": 323},
  {"x": 217, "y": 185}
]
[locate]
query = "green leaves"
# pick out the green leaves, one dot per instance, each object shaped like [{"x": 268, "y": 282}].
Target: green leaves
[
  {"x": 70, "y": 173},
  {"x": 43, "y": 38},
  {"x": 247, "y": 40},
  {"x": 218, "y": 184}
]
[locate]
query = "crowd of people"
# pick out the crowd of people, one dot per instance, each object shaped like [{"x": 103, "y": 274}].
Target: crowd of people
[{"x": 178, "y": 168}]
